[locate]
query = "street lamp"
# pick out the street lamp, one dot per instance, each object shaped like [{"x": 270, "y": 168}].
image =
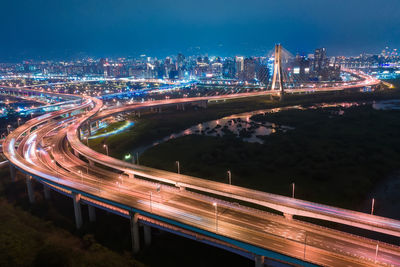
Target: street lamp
[
  {"x": 372, "y": 206},
  {"x": 376, "y": 252},
  {"x": 292, "y": 190},
  {"x": 216, "y": 216},
  {"x": 106, "y": 147},
  {"x": 178, "y": 166},
  {"x": 229, "y": 176}
]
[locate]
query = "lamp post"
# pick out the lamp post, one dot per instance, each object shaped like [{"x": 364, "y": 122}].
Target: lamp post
[
  {"x": 216, "y": 216},
  {"x": 376, "y": 252},
  {"x": 106, "y": 147},
  {"x": 372, "y": 206},
  {"x": 229, "y": 176},
  {"x": 178, "y": 166},
  {"x": 293, "y": 190}
]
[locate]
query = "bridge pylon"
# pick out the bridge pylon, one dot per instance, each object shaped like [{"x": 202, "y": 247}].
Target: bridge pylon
[{"x": 277, "y": 79}]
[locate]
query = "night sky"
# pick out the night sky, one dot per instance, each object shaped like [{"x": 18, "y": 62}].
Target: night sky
[{"x": 57, "y": 29}]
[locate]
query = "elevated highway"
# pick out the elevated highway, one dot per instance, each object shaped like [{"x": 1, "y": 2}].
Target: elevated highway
[{"x": 51, "y": 152}]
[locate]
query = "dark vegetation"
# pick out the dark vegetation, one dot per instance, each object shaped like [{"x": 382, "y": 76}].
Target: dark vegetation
[{"x": 332, "y": 159}]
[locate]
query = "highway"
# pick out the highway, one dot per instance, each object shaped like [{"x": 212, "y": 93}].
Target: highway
[
  {"x": 45, "y": 151},
  {"x": 258, "y": 228}
]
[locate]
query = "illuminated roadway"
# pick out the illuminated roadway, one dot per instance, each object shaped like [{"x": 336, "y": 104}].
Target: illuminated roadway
[{"x": 44, "y": 152}]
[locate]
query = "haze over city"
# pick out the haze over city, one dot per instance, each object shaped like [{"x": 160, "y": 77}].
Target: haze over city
[{"x": 48, "y": 29}]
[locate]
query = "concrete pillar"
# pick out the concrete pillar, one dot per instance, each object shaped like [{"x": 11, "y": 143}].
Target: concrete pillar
[
  {"x": 91, "y": 162},
  {"x": 97, "y": 124},
  {"x": 76, "y": 198},
  {"x": 288, "y": 216},
  {"x": 76, "y": 153},
  {"x": 131, "y": 175},
  {"x": 181, "y": 188},
  {"x": 259, "y": 260},
  {"x": 29, "y": 185},
  {"x": 135, "y": 232},
  {"x": 46, "y": 191},
  {"x": 92, "y": 213},
  {"x": 89, "y": 129},
  {"x": 147, "y": 235},
  {"x": 12, "y": 172}
]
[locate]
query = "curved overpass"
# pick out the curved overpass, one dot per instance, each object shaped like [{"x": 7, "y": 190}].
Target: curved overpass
[{"x": 44, "y": 153}]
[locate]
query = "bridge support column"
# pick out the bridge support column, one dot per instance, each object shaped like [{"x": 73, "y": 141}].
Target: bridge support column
[
  {"x": 135, "y": 232},
  {"x": 91, "y": 162},
  {"x": 76, "y": 198},
  {"x": 12, "y": 172},
  {"x": 147, "y": 235},
  {"x": 288, "y": 216},
  {"x": 131, "y": 175},
  {"x": 29, "y": 186},
  {"x": 92, "y": 213},
  {"x": 46, "y": 191},
  {"x": 76, "y": 153},
  {"x": 259, "y": 260},
  {"x": 89, "y": 129}
]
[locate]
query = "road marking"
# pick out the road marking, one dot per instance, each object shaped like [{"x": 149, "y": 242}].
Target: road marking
[{"x": 278, "y": 245}]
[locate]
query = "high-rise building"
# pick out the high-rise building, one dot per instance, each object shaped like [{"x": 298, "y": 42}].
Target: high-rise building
[
  {"x": 180, "y": 61},
  {"x": 229, "y": 70},
  {"x": 239, "y": 61},
  {"x": 320, "y": 59},
  {"x": 249, "y": 69}
]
